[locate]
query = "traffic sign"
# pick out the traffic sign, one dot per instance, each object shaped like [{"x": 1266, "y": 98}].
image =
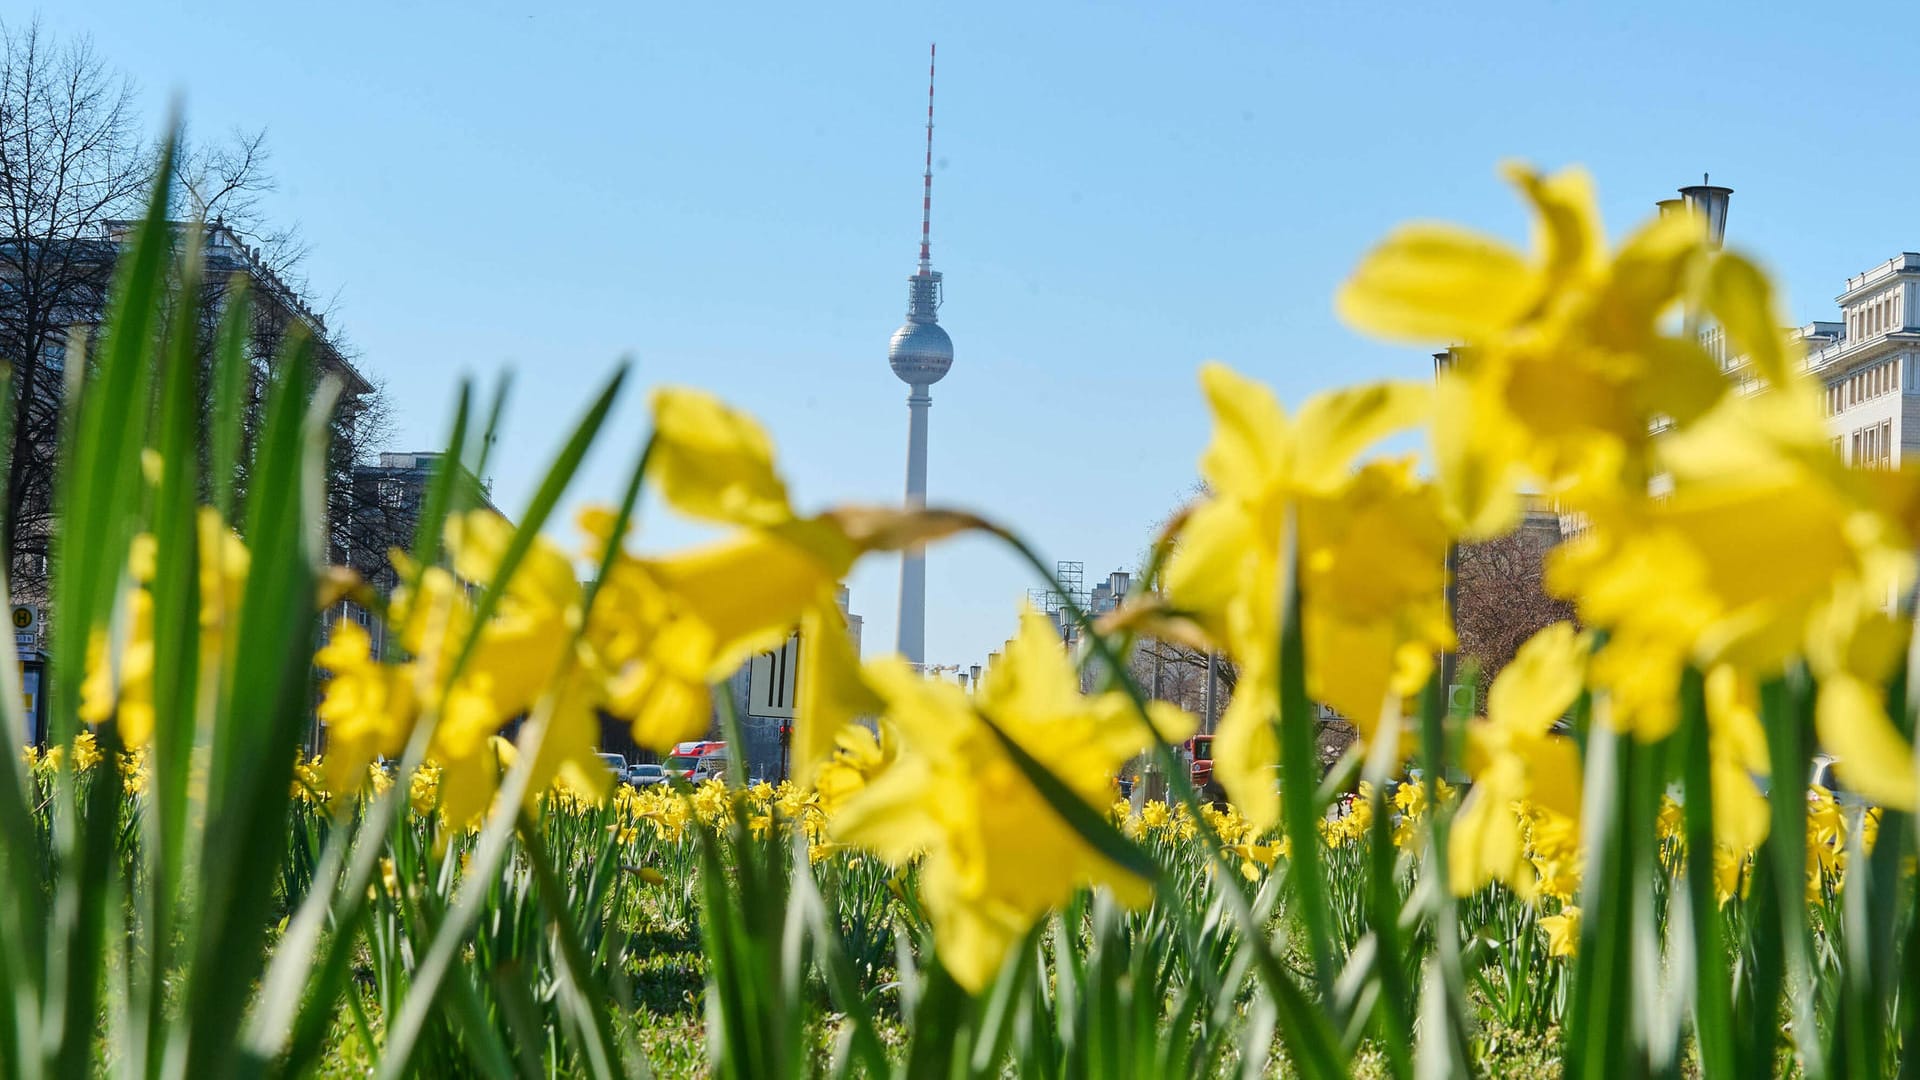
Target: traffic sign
[{"x": 26, "y": 627}]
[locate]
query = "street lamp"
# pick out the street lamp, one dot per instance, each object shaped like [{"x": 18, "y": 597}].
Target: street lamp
[{"x": 1709, "y": 201}]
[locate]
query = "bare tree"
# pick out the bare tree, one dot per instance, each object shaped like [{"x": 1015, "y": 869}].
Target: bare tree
[
  {"x": 74, "y": 171},
  {"x": 226, "y": 182},
  {"x": 1177, "y": 672},
  {"x": 71, "y": 160},
  {"x": 1502, "y": 600}
]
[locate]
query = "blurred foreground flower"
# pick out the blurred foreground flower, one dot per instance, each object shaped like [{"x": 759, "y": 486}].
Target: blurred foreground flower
[
  {"x": 997, "y": 856},
  {"x": 1370, "y": 554}
]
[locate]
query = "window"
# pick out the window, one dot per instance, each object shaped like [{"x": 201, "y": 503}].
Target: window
[{"x": 1886, "y": 443}]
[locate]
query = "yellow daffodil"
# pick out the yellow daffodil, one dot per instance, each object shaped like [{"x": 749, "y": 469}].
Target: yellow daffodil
[
  {"x": 1370, "y": 553},
  {"x": 1513, "y": 755},
  {"x": 1553, "y": 846},
  {"x": 1563, "y": 931},
  {"x": 668, "y": 628},
  {"x": 367, "y": 709},
  {"x": 996, "y": 854},
  {"x": 1569, "y": 361},
  {"x": 521, "y": 661},
  {"x": 860, "y": 754},
  {"x": 1766, "y": 549},
  {"x": 120, "y": 687}
]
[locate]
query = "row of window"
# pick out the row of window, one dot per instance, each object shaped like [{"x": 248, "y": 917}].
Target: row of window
[
  {"x": 1871, "y": 447},
  {"x": 1864, "y": 385},
  {"x": 1882, "y": 314}
]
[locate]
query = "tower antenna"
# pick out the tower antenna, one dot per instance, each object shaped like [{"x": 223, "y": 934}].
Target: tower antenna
[{"x": 926, "y": 193}]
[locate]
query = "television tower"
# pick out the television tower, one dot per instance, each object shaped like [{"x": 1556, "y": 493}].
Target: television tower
[{"x": 920, "y": 354}]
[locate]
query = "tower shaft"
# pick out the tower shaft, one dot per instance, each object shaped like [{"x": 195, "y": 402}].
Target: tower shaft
[{"x": 912, "y": 638}]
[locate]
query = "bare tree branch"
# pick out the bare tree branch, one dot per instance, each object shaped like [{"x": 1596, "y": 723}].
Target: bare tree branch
[{"x": 1502, "y": 600}]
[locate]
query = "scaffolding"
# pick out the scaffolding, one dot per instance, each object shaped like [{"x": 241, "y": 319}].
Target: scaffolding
[{"x": 1054, "y": 603}]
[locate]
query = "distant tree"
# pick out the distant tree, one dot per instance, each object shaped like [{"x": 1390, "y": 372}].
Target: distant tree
[
  {"x": 1501, "y": 599},
  {"x": 73, "y": 169},
  {"x": 1171, "y": 671},
  {"x": 71, "y": 160}
]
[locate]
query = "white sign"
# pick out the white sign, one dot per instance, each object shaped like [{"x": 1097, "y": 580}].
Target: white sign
[{"x": 772, "y": 680}]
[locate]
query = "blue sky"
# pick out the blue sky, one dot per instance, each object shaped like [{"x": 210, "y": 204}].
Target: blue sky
[{"x": 730, "y": 197}]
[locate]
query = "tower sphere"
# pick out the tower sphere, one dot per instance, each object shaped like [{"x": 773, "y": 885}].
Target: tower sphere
[{"x": 921, "y": 353}]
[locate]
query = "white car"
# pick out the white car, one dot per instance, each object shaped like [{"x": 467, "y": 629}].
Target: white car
[
  {"x": 646, "y": 775},
  {"x": 615, "y": 764}
]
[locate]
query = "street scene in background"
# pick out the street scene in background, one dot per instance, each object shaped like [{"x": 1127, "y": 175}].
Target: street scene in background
[{"x": 1413, "y": 574}]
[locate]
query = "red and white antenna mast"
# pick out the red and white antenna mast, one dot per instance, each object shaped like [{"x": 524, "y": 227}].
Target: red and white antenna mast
[{"x": 926, "y": 194}]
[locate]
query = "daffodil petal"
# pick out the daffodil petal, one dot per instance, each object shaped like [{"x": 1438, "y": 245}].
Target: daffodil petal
[{"x": 1430, "y": 283}]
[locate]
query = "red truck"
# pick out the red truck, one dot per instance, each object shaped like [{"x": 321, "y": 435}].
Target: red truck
[
  {"x": 697, "y": 761},
  {"x": 1199, "y": 750}
]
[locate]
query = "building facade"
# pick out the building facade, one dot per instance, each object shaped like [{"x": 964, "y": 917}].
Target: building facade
[
  {"x": 1865, "y": 362},
  {"x": 384, "y": 513}
]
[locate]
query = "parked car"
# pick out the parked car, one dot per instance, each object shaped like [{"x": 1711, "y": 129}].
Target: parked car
[
  {"x": 647, "y": 775},
  {"x": 711, "y": 766},
  {"x": 615, "y": 763}
]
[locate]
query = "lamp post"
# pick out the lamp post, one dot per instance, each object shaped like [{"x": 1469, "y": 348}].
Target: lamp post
[{"x": 1710, "y": 202}]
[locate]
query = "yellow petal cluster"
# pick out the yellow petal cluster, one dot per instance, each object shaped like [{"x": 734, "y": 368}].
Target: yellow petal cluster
[
  {"x": 661, "y": 631},
  {"x": 119, "y": 677},
  {"x": 522, "y": 657},
  {"x": 1718, "y": 530},
  {"x": 1516, "y": 758},
  {"x": 996, "y": 855},
  {"x": 1569, "y": 359}
]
